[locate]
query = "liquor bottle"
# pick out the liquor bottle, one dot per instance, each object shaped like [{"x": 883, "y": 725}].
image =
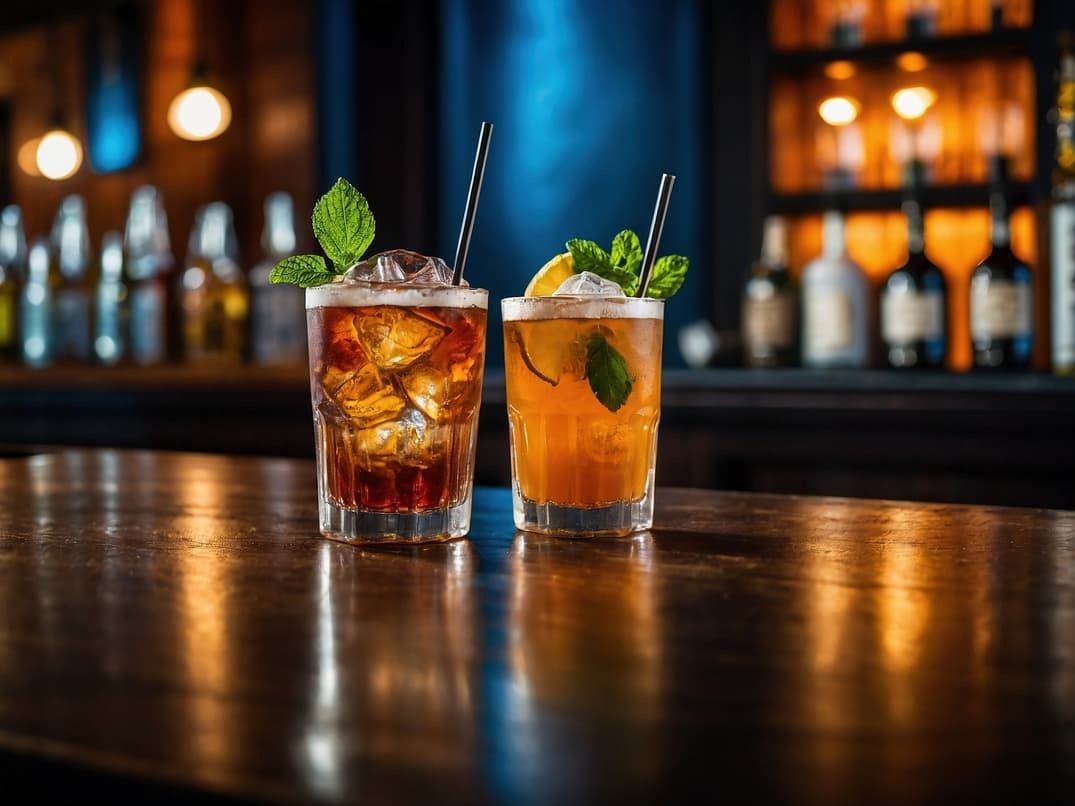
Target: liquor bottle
[
  {"x": 836, "y": 304},
  {"x": 213, "y": 291},
  {"x": 1001, "y": 300},
  {"x": 1062, "y": 215},
  {"x": 12, "y": 277},
  {"x": 770, "y": 303},
  {"x": 110, "y": 303},
  {"x": 148, "y": 267},
  {"x": 277, "y": 312},
  {"x": 35, "y": 309},
  {"x": 71, "y": 247},
  {"x": 914, "y": 297}
]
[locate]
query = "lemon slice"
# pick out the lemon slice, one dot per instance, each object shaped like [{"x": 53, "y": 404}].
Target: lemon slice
[
  {"x": 550, "y": 276},
  {"x": 556, "y": 353}
]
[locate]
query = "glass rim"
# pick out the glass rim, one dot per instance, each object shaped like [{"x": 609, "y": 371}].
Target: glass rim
[
  {"x": 416, "y": 296},
  {"x": 565, "y": 306}
]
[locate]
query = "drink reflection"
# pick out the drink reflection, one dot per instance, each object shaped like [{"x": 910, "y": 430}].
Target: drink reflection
[
  {"x": 394, "y": 654},
  {"x": 563, "y": 660}
]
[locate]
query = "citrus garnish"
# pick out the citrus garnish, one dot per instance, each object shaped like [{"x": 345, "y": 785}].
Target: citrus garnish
[
  {"x": 556, "y": 351},
  {"x": 550, "y": 276}
]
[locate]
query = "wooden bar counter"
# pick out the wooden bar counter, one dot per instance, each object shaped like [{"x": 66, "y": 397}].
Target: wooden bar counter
[{"x": 171, "y": 626}]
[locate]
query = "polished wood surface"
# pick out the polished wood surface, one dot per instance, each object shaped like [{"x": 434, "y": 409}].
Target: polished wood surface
[{"x": 172, "y": 623}]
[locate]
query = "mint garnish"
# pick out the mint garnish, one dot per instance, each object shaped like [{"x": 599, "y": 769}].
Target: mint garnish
[
  {"x": 344, "y": 226},
  {"x": 622, "y": 264},
  {"x": 607, "y": 373},
  {"x": 669, "y": 272},
  {"x": 302, "y": 270},
  {"x": 627, "y": 251}
]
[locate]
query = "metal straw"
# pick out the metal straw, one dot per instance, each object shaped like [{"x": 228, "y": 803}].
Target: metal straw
[
  {"x": 656, "y": 227},
  {"x": 476, "y": 176}
]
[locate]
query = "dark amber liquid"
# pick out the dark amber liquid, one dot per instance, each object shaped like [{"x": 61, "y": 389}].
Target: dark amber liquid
[{"x": 396, "y": 393}]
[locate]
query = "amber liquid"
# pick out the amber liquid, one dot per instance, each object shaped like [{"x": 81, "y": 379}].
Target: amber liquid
[
  {"x": 396, "y": 393},
  {"x": 214, "y": 316},
  {"x": 568, "y": 449}
]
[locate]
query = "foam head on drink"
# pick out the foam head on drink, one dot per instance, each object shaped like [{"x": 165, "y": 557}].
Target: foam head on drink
[{"x": 396, "y": 361}]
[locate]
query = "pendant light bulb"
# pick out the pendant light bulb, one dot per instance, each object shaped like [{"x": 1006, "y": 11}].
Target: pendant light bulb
[
  {"x": 199, "y": 113},
  {"x": 59, "y": 154}
]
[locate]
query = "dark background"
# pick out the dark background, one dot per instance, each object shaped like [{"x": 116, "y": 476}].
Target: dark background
[{"x": 592, "y": 101}]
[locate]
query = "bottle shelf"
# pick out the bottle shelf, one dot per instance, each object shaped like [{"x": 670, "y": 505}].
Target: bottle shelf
[
  {"x": 963, "y": 195},
  {"x": 1006, "y": 42}
]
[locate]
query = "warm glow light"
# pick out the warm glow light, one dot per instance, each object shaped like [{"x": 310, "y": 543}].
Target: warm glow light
[
  {"x": 27, "y": 156},
  {"x": 839, "y": 110},
  {"x": 839, "y": 70},
  {"x": 199, "y": 113},
  {"x": 912, "y": 61},
  {"x": 58, "y": 155},
  {"x": 911, "y": 103}
]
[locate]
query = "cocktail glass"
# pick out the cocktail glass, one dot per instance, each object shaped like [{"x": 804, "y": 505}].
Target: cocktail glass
[
  {"x": 395, "y": 379},
  {"x": 581, "y": 466}
]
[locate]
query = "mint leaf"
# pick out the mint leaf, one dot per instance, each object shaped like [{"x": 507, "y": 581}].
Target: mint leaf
[
  {"x": 343, "y": 225},
  {"x": 607, "y": 373},
  {"x": 627, "y": 251},
  {"x": 302, "y": 270},
  {"x": 668, "y": 275},
  {"x": 588, "y": 256}
]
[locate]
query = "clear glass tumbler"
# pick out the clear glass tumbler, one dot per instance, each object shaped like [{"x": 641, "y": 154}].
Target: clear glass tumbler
[
  {"x": 583, "y": 381},
  {"x": 395, "y": 380}
]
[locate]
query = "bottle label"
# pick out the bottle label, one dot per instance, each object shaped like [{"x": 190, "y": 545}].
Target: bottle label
[
  {"x": 1063, "y": 285},
  {"x": 769, "y": 322},
  {"x": 148, "y": 339},
  {"x": 829, "y": 321},
  {"x": 999, "y": 309},
  {"x": 908, "y": 315}
]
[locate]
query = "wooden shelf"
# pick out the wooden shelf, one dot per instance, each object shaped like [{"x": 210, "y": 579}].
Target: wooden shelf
[
  {"x": 966, "y": 195},
  {"x": 1008, "y": 42},
  {"x": 1002, "y": 437},
  {"x": 164, "y": 378}
]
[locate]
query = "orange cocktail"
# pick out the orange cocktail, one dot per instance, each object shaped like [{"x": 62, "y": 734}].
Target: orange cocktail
[{"x": 583, "y": 388}]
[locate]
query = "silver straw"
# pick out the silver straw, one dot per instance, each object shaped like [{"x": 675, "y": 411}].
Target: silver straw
[
  {"x": 476, "y": 176},
  {"x": 656, "y": 227}
]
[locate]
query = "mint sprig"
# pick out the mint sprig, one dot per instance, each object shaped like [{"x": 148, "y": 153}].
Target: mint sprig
[
  {"x": 306, "y": 271},
  {"x": 606, "y": 370},
  {"x": 344, "y": 227},
  {"x": 669, "y": 272},
  {"x": 627, "y": 251},
  {"x": 622, "y": 264}
]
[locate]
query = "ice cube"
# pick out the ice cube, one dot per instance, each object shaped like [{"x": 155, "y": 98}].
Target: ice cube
[
  {"x": 395, "y": 337},
  {"x": 588, "y": 284},
  {"x": 428, "y": 389},
  {"x": 368, "y": 398},
  {"x": 401, "y": 266},
  {"x": 408, "y": 439},
  {"x": 342, "y": 349}
]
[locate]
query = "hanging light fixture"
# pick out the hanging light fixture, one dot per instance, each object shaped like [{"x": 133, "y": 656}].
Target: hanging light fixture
[
  {"x": 57, "y": 154},
  {"x": 199, "y": 112}
]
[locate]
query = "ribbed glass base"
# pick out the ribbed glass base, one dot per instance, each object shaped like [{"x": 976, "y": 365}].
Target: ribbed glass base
[
  {"x": 431, "y": 526},
  {"x": 616, "y": 519}
]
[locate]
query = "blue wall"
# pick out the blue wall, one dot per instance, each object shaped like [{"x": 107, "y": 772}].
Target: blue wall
[{"x": 592, "y": 101}]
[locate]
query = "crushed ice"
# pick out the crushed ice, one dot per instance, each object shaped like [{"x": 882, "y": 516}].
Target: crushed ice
[
  {"x": 588, "y": 284},
  {"x": 400, "y": 267}
]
